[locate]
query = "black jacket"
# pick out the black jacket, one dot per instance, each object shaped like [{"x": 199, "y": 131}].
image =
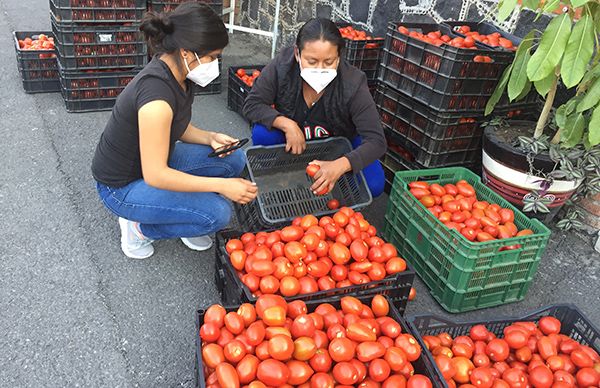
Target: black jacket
[{"x": 348, "y": 103}]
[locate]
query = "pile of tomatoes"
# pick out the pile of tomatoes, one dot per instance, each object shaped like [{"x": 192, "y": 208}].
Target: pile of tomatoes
[
  {"x": 246, "y": 77},
  {"x": 314, "y": 255},
  {"x": 436, "y": 38},
  {"x": 494, "y": 39},
  {"x": 457, "y": 207},
  {"x": 43, "y": 42},
  {"x": 528, "y": 355},
  {"x": 351, "y": 33},
  {"x": 280, "y": 344}
]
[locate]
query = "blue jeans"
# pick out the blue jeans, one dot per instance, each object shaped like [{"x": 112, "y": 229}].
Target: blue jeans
[
  {"x": 170, "y": 214},
  {"x": 373, "y": 173}
]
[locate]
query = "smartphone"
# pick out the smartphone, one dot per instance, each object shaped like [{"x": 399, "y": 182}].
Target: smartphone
[{"x": 228, "y": 148}]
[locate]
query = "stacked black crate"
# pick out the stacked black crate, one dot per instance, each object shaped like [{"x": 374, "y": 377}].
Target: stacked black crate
[
  {"x": 36, "y": 61},
  {"x": 100, "y": 49},
  {"x": 432, "y": 97},
  {"x": 166, "y": 6}
]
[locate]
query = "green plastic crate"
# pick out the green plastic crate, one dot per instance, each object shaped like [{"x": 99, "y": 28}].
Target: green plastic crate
[{"x": 462, "y": 275}]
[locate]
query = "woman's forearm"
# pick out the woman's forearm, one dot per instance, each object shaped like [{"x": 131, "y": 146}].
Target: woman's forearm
[{"x": 196, "y": 135}]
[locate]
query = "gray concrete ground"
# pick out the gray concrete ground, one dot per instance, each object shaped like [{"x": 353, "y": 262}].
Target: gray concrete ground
[{"x": 73, "y": 310}]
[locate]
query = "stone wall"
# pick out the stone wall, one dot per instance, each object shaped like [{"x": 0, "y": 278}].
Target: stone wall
[{"x": 374, "y": 15}]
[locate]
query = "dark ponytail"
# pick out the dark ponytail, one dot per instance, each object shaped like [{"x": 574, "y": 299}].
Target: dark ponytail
[
  {"x": 191, "y": 26},
  {"x": 320, "y": 29}
]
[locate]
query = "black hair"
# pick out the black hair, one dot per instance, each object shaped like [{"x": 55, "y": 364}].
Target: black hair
[
  {"x": 320, "y": 29},
  {"x": 191, "y": 26}
]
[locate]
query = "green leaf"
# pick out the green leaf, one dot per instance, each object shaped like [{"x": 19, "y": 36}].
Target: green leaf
[
  {"x": 518, "y": 77},
  {"x": 499, "y": 91},
  {"x": 578, "y": 3},
  {"x": 594, "y": 128},
  {"x": 591, "y": 98},
  {"x": 543, "y": 86},
  {"x": 590, "y": 76},
  {"x": 551, "y": 6},
  {"x": 573, "y": 130},
  {"x": 505, "y": 8},
  {"x": 551, "y": 48},
  {"x": 525, "y": 91},
  {"x": 578, "y": 52},
  {"x": 560, "y": 117},
  {"x": 530, "y": 4}
]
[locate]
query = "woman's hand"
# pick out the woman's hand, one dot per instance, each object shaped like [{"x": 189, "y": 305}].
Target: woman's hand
[
  {"x": 219, "y": 140},
  {"x": 295, "y": 141},
  {"x": 329, "y": 173},
  {"x": 239, "y": 190}
]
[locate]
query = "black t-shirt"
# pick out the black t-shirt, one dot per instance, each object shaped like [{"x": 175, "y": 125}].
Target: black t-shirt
[
  {"x": 313, "y": 121},
  {"x": 117, "y": 160}
]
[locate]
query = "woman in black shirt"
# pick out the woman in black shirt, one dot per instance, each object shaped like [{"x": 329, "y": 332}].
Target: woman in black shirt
[
  {"x": 151, "y": 165},
  {"x": 309, "y": 91}
]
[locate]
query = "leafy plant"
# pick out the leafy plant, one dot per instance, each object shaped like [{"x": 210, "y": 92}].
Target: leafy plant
[{"x": 567, "y": 50}]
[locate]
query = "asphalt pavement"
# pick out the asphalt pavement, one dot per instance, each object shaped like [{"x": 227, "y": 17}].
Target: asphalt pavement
[{"x": 74, "y": 311}]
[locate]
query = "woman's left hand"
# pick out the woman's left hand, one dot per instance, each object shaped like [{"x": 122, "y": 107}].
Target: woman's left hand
[
  {"x": 219, "y": 140},
  {"x": 329, "y": 173}
]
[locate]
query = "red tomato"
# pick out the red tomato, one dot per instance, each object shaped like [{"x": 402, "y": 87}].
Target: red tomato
[
  {"x": 444, "y": 364},
  {"x": 579, "y": 357},
  {"x": 304, "y": 348},
  {"x": 418, "y": 381},
  {"x": 482, "y": 377},
  {"x": 380, "y": 306},
  {"x": 549, "y": 325},
  {"x": 333, "y": 204},
  {"x": 210, "y": 332},
  {"x": 339, "y": 272},
  {"x": 541, "y": 377},
  {"x": 321, "y": 361},
  {"x": 312, "y": 169},
  {"x": 234, "y": 351},
  {"x": 246, "y": 368},
  {"x": 272, "y": 372},
  {"x": 587, "y": 377},
  {"x": 322, "y": 380},
  {"x": 266, "y": 301},
  {"x": 215, "y": 314},
  {"x": 227, "y": 375},
  {"x": 410, "y": 346},
  {"x": 342, "y": 349},
  {"x": 379, "y": 370},
  {"x": 345, "y": 373},
  {"x": 359, "y": 250},
  {"x": 516, "y": 378},
  {"x": 212, "y": 355},
  {"x": 281, "y": 347},
  {"x": 339, "y": 253}
]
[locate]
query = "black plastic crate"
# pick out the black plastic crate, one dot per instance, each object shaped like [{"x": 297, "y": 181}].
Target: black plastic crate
[
  {"x": 167, "y": 6},
  {"x": 100, "y": 47},
  {"x": 68, "y": 12},
  {"x": 364, "y": 54},
  {"x": 432, "y": 130},
  {"x": 574, "y": 324},
  {"x": 237, "y": 90},
  {"x": 422, "y": 365},
  {"x": 284, "y": 187},
  {"x": 93, "y": 91},
  {"x": 38, "y": 68},
  {"x": 427, "y": 137},
  {"x": 446, "y": 78},
  {"x": 485, "y": 28},
  {"x": 396, "y": 287}
]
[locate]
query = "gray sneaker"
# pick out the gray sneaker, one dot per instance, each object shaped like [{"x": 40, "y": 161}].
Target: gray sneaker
[
  {"x": 133, "y": 243},
  {"x": 201, "y": 243}
]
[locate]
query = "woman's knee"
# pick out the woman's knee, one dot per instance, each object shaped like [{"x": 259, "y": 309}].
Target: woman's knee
[
  {"x": 237, "y": 162},
  {"x": 263, "y": 136},
  {"x": 219, "y": 211}
]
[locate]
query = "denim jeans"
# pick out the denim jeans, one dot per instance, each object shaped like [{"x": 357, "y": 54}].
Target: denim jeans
[
  {"x": 373, "y": 173},
  {"x": 170, "y": 214}
]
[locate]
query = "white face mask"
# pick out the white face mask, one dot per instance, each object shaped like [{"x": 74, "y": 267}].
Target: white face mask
[
  {"x": 317, "y": 78},
  {"x": 204, "y": 73}
]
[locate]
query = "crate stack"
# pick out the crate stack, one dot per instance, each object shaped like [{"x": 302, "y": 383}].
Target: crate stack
[
  {"x": 167, "y": 6},
  {"x": 100, "y": 49},
  {"x": 240, "y": 80},
  {"x": 363, "y": 52},
  {"x": 37, "y": 64},
  {"x": 432, "y": 98}
]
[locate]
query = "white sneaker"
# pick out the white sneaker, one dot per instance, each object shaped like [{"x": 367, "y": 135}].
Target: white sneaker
[
  {"x": 133, "y": 243},
  {"x": 201, "y": 243}
]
